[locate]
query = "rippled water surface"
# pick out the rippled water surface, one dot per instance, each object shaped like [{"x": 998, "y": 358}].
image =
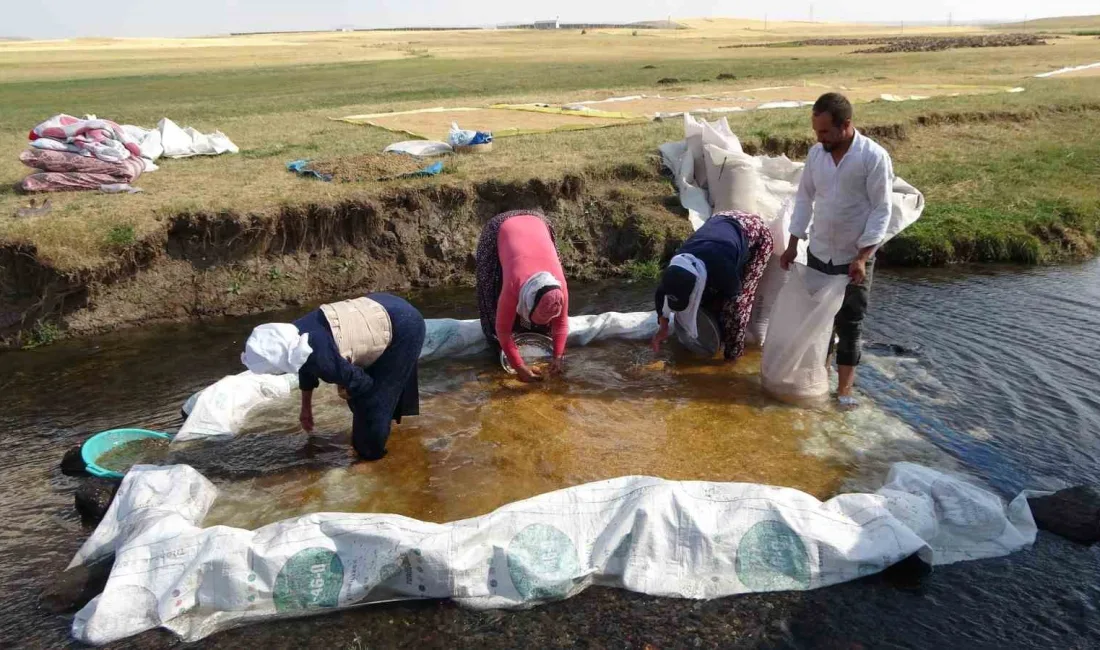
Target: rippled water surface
[{"x": 989, "y": 373}]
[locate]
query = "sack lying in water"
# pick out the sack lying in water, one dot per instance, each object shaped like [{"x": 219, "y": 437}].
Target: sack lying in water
[{"x": 690, "y": 539}]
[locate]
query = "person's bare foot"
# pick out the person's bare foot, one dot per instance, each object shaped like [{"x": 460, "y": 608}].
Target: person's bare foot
[
  {"x": 847, "y": 402},
  {"x": 846, "y": 376}
]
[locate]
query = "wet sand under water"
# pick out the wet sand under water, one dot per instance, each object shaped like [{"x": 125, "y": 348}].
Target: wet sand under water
[{"x": 484, "y": 439}]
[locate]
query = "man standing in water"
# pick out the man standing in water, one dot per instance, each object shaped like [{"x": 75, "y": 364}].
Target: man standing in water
[{"x": 845, "y": 193}]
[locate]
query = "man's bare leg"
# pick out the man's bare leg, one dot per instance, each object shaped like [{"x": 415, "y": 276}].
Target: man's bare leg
[{"x": 847, "y": 378}]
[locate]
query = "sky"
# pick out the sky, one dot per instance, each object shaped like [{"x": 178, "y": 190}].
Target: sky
[{"x": 106, "y": 18}]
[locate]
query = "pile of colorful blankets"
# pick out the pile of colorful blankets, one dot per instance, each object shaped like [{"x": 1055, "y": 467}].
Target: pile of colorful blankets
[{"x": 89, "y": 153}]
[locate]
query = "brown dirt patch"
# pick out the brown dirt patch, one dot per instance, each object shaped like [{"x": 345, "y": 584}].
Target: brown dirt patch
[
  {"x": 939, "y": 43},
  {"x": 891, "y": 44},
  {"x": 368, "y": 167}
]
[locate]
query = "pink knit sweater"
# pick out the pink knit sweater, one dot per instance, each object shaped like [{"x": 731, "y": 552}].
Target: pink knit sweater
[{"x": 525, "y": 248}]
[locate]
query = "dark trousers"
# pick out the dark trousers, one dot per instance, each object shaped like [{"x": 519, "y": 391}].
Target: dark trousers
[
  {"x": 395, "y": 392},
  {"x": 848, "y": 324}
]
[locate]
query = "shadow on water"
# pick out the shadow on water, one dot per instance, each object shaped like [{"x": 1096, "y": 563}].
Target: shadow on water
[{"x": 1003, "y": 390}]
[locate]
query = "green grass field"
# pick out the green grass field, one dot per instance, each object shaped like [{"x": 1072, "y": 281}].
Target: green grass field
[{"x": 998, "y": 190}]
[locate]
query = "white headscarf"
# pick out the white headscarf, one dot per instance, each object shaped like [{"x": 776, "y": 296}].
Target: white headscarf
[
  {"x": 689, "y": 317},
  {"x": 276, "y": 349},
  {"x": 530, "y": 291}
]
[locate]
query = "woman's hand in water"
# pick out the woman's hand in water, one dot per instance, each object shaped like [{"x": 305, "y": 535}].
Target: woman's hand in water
[
  {"x": 305, "y": 415},
  {"x": 557, "y": 366},
  {"x": 527, "y": 375},
  {"x": 662, "y": 334},
  {"x": 306, "y": 418}
]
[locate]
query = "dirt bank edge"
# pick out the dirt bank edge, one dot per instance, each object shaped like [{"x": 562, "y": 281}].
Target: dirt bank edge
[
  {"x": 611, "y": 222},
  {"x": 204, "y": 265}
]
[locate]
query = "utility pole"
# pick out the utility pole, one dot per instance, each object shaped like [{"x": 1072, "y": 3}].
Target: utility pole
[
  {"x": 811, "y": 12},
  {"x": 949, "y": 19}
]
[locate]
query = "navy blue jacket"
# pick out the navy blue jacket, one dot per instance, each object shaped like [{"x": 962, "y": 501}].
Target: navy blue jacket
[{"x": 721, "y": 246}]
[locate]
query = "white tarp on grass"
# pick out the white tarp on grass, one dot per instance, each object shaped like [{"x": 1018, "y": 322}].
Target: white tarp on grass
[
  {"x": 683, "y": 539},
  {"x": 1061, "y": 71},
  {"x": 170, "y": 141}
]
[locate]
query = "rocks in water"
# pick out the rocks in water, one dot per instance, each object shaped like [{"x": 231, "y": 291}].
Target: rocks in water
[
  {"x": 74, "y": 588},
  {"x": 908, "y": 573},
  {"x": 1073, "y": 513},
  {"x": 94, "y": 496},
  {"x": 72, "y": 463},
  {"x": 892, "y": 349}
]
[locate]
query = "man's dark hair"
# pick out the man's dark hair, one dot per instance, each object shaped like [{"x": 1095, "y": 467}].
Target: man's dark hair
[{"x": 836, "y": 105}]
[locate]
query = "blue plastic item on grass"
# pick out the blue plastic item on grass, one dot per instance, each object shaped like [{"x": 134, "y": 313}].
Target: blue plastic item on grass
[
  {"x": 301, "y": 167},
  {"x": 482, "y": 137},
  {"x": 105, "y": 441},
  {"x": 430, "y": 170}
]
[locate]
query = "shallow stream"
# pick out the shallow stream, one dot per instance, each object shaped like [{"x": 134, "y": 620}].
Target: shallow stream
[{"x": 991, "y": 373}]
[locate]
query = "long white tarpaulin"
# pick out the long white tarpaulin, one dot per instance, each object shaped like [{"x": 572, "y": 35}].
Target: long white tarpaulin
[{"x": 684, "y": 539}]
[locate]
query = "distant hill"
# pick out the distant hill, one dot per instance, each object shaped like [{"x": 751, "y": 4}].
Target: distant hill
[
  {"x": 1062, "y": 23},
  {"x": 658, "y": 24}
]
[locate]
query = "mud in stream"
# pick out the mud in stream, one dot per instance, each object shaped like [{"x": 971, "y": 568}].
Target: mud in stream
[{"x": 484, "y": 439}]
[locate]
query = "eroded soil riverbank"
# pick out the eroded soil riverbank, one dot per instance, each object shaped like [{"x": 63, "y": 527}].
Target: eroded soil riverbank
[{"x": 205, "y": 265}]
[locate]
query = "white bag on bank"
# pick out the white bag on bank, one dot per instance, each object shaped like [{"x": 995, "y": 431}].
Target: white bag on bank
[
  {"x": 733, "y": 180},
  {"x": 421, "y": 148},
  {"x": 698, "y": 134},
  {"x": 797, "y": 341},
  {"x": 718, "y": 134},
  {"x": 683, "y": 539}
]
